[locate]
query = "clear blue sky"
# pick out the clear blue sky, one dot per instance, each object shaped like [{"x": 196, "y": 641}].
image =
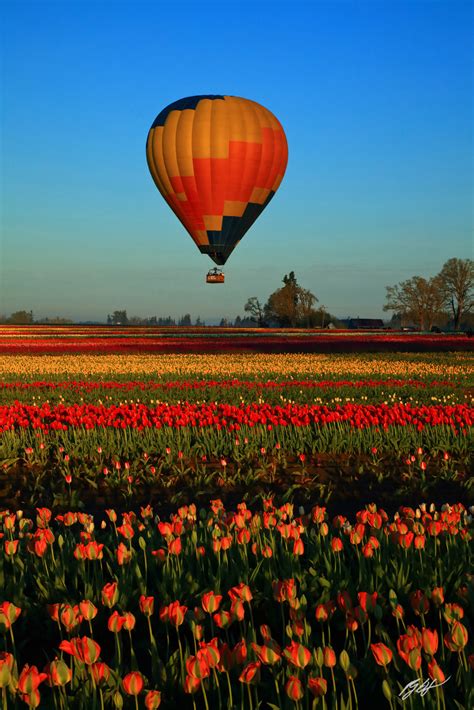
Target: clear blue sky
[{"x": 376, "y": 101}]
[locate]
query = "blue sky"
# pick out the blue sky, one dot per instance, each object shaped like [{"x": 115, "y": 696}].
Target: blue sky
[{"x": 376, "y": 101}]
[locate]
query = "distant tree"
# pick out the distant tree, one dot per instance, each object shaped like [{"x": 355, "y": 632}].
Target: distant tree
[
  {"x": 291, "y": 305},
  {"x": 152, "y": 320},
  {"x": 256, "y": 310},
  {"x": 109, "y": 319},
  {"x": 185, "y": 320},
  {"x": 305, "y": 311},
  {"x": 119, "y": 318},
  {"x": 135, "y": 320},
  {"x": 198, "y": 323},
  {"x": 224, "y": 323},
  {"x": 457, "y": 285},
  {"x": 238, "y": 322},
  {"x": 418, "y": 299},
  {"x": 21, "y": 318}
]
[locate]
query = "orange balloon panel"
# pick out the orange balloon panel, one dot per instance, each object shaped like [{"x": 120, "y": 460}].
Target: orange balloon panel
[{"x": 217, "y": 161}]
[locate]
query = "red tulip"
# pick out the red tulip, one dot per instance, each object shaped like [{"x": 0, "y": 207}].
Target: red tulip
[
  {"x": 84, "y": 649},
  {"x": 110, "y": 594},
  {"x": 128, "y": 621},
  {"x": 11, "y": 547},
  {"x": 381, "y": 653},
  {"x": 88, "y": 610},
  {"x": 100, "y": 672},
  {"x": 435, "y": 672},
  {"x": 6, "y": 667},
  {"x": 367, "y": 601},
  {"x": 115, "y": 622},
  {"x": 241, "y": 591},
  {"x": 176, "y": 613},
  {"x": 210, "y": 602},
  {"x": 329, "y": 657},
  {"x": 191, "y": 684},
  {"x": 298, "y": 547},
  {"x": 321, "y": 613},
  {"x": 409, "y": 642},
  {"x": 147, "y": 605},
  {"x": 197, "y": 666},
  {"x": 222, "y": 619},
  {"x": 294, "y": 688},
  {"x": 437, "y": 596},
  {"x": 126, "y": 530},
  {"x": 251, "y": 673},
  {"x": 210, "y": 651},
  {"x": 456, "y": 639},
  {"x": 344, "y": 601},
  {"x": 29, "y": 679},
  {"x": 10, "y": 611},
  {"x": 268, "y": 654},
  {"x": 429, "y": 641},
  {"x": 297, "y": 654},
  {"x": 123, "y": 553},
  {"x": 237, "y": 610},
  {"x": 133, "y": 683},
  {"x": 175, "y": 546},
  {"x": 419, "y": 602},
  {"x": 318, "y": 686},
  {"x": 58, "y": 672},
  {"x": 70, "y": 616},
  {"x": 153, "y": 700},
  {"x": 453, "y": 612},
  {"x": 239, "y": 652}
]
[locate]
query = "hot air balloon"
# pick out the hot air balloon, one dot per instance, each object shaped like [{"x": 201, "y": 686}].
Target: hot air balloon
[{"x": 217, "y": 161}]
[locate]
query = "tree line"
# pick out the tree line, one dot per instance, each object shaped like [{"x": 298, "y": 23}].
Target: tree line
[{"x": 445, "y": 300}]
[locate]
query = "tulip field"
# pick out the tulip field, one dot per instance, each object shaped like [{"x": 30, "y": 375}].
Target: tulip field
[{"x": 232, "y": 528}]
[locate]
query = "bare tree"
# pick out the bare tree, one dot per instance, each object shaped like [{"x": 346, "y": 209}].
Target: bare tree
[
  {"x": 306, "y": 301},
  {"x": 255, "y": 308},
  {"x": 418, "y": 298},
  {"x": 457, "y": 283}
]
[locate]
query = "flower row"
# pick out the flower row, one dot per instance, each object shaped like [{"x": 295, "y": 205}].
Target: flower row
[{"x": 61, "y": 417}]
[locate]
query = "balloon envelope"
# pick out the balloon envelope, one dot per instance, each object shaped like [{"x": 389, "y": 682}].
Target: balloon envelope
[{"x": 217, "y": 161}]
